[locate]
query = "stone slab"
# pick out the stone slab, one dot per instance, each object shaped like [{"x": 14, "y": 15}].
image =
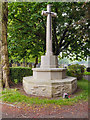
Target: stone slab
[
  {"x": 49, "y": 88},
  {"x": 49, "y": 69},
  {"x": 49, "y": 73}
]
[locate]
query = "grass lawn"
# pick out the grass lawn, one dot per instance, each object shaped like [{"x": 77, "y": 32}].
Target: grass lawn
[{"x": 14, "y": 96}]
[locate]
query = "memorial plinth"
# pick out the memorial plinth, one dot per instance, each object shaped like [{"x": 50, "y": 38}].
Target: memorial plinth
[{"x": 48, "y": 80}]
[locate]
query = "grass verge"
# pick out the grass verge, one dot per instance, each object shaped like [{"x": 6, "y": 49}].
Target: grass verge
[{"x": 14, "y": 96}]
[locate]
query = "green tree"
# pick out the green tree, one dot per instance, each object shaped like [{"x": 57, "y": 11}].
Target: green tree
[
  {"x": 70, "y": 30},
  {"x": 27, "y": 30},
  {"x": 26, "y": 34}
]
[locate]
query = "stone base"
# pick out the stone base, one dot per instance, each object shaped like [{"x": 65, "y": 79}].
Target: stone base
[
  {"x": 48, "y": 61},
  {"x": 46, "y": 74},
  {"x": 51, "y": 82}
]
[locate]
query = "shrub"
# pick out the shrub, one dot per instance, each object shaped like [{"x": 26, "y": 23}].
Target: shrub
[
  {"x": 86, "y": 73},
  {"x": 17, "y": 73},
  {"x": 76, "y": 70}
]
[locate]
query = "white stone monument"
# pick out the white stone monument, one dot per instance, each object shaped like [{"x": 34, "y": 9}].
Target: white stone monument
[{"x": 48, "y": 80}]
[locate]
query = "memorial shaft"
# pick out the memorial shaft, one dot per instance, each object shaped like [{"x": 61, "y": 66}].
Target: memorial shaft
[
  {"x": 49, "y": 60},
  {"x": 49, "y": 15},
  {"x": 49, "y": 32}
]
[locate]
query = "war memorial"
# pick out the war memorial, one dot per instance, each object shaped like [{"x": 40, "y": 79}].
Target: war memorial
[{"x": 49, "y": 80}]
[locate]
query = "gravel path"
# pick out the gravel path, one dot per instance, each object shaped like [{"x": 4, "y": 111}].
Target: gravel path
[{"x": 79, "y": 110}]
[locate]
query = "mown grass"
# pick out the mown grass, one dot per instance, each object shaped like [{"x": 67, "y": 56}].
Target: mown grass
[{"x": 14, "y": 96}]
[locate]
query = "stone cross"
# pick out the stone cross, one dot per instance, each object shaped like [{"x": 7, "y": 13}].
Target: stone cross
[{"x": 49, "y": 15}]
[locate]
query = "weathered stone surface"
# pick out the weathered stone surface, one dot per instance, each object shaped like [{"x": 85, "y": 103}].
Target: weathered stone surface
[
  {"x": 49, "y": 73},
  {"x": 48, "y": 61},
  {"x": 51, "y": 88}
]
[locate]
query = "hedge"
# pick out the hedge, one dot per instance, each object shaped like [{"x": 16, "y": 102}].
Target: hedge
[
  {"x": 76, "y": 70},
  {"x": 17, "y": 73}
]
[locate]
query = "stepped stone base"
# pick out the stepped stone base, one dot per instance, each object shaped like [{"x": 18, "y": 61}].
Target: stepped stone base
[{"x": 51, "y": 82}]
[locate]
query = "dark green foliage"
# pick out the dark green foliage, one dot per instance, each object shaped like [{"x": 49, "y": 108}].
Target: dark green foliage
[
  {"x": 76, "y": 71},
  {"x": 17, "y": 73},
  {"x": 27, "y": 30}
]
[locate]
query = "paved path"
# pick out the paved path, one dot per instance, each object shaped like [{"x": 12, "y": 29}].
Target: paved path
[{"x": 79, "y": 110}]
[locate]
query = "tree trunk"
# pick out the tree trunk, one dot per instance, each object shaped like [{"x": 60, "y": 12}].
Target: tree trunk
[
  {"x": 0, "y": 47},
  {"x": 4, "y": 48},
  {"x": 36, "y": 62},
  {"x": 56, "y": 61}
]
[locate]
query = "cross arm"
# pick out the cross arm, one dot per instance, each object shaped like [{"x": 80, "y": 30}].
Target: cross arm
[
  {"x": 45, "y": 13},
  {"x": 53, "y": 14}
]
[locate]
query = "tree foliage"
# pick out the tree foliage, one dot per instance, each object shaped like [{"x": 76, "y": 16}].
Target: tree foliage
[
  {"x": 26, "y": 34},
  {"x": 27, "y": 29}
]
